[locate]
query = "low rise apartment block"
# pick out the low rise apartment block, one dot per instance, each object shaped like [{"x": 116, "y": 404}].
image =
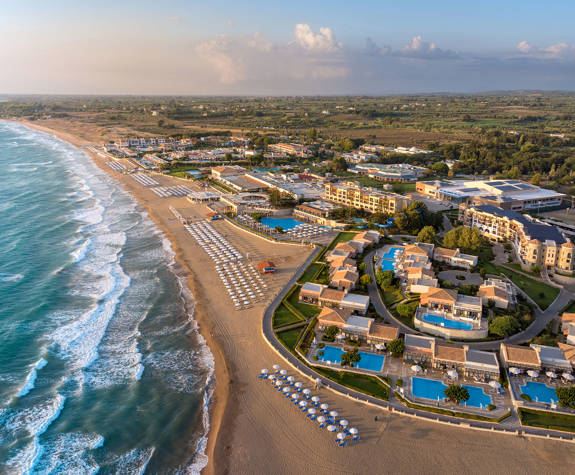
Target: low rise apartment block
[{"x": 350, "y": 194}]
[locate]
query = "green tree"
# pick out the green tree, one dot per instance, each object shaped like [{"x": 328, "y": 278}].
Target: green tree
[
  {"x": 440, "y": 168},
  {"x": 396, "y": 347},
  {"x": 312, "y": 134},
  {"x": 566, "y": 396},
  {"x": 503, "y": 326},
  {"x": 456, "y": 393},
  {"x": 348, "y": 358},
  {"x": 427, "y": 234},
  {"x": 384, "y": 278},
  {"x": 330, "y": 333},
  {"x": 407, "y": 310},
  {"x": 362, "y": 266},
  {"x": 365, "y": 280},
  {"x": 536, "y": 179}
]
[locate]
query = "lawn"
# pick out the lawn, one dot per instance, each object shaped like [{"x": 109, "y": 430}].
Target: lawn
[
  {"x": 540, "y": 292},
  {"x": 547, "y": 420},
  {"x": 310, "y": 272},
  {"x": 283, "y": 316},
  {"x": 391, "y": 296},
  {"x": 289, "y": 338},
  {"x": 403, "y": 187},
  {"x": 362, "y": 383},
  {"x": 308, "y": 311},
  {"x": 569, "y": 308}
]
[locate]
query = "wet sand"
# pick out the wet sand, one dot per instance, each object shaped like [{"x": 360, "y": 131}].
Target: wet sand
[{"x": 253, "y": 429}]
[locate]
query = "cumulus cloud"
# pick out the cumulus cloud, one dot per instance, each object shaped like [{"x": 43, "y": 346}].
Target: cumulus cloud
[
  {"x": 324, "y": 41},
  {"x": 218, "y": 53},
  {"x": 372, "y": 49},
  {"x": 259, "y": 42},
  {"x": 555, "y": 51},
  {"x": 418, "y": 48}
]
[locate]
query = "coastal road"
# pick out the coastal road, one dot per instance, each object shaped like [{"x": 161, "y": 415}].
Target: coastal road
[{"x": 510, "y": 425}]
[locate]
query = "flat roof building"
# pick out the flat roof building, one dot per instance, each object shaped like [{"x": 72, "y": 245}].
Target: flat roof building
[{"x": 368, "y": 199}]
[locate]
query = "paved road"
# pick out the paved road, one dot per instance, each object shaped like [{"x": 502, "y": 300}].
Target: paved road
[{"x": 511, "y": 425}]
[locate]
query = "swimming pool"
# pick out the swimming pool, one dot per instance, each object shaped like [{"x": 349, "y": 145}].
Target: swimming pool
[
  {"x": 368, "y": 361},
  {"x": 445, "y": 322},
  {"x": 285, "y": 223},
  {"x": 539, "y": 392},
  {"x": 387, "y": 265},
  {"x": 435, "y": 390},
  {"x": 390, "y": 254}
]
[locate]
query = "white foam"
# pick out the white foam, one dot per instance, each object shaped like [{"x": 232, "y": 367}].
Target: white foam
[
  {"x": 11, "y": 277},
  {"x": 80, "y": 253},
  {"x": 31, "y": 378}
]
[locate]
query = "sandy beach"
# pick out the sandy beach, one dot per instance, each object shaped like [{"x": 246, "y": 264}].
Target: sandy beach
[{"x": 255, "y": 430}]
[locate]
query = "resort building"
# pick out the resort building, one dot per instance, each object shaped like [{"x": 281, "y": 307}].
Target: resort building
[
  {"x": 535, "y": 357},
  {"x": 568, "y": 352},
  {"x": 568, "y": 327},
  {"x": 420, "y": 280},
  {"x": 291, "y": 149},
  {"x": 344, "y": 279},
  {"x": 351, "y": 249},
  {"x": 418, "y": 349},
  {"x": 337, "y": 254},
  {"x": 317, "y": 212},
  {"x": 445, "y": 313},
  {"x": 289, "y": 184},
  {"x": 513, "y": 195},
  {"x": 368, "y": 199},
  {"x": 381, "y": 334},
  {"x": 535, "y": 243},
  {"x": 392, "y": 172},
  {"x": 359, "y": 157},
  {"x": 356, "y": 327},
  {"x": 454, "y": 258},
  {"x": 333, "y": 317},
  {"x": 499, "y": 291},
  {"x": 341, "y": 262},
  {"x": 322, "y": 295}
]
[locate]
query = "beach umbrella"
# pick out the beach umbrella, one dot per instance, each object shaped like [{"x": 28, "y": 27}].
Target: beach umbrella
[
  {"x": 306, "y": 391},
  {"x": 416, "y": 368},
  {"x": 341, "y": 436},
  {"x": 331, "y": 428},
  {"x": 515, "y": 371},
  {"x": 285, "y": 390},
  {"x": 324, "y": 407},
  {"x": 353, "y": 431},
  {"x": 452, "y": 374},
  {"x": 311, "y": 411},
  {"x": 283, "y": 372},
  {"x": 321, "y": 419},
  {"x": 264, "y": 371},
  {"x": 290, "y": 379},
  {"x": 295, "y": 396},
  {"x": 533, "y": 373},
  {"x": 303, "y": 403},
  {"x": 276, "y": 367},
  {"x": 278, "y": 383},
  {"x": 315, "y": 399},
  {"x": 334, "y": 413},
  {"x": 340, "y": 336},
  {"x": 379, "y": 346},
  {"x": 568, "y": 376},
  {"x": 298, "y": 385},
  {"x": 551, "y": 374},
  {"x": 271, "y": 377},
  {"x": 343, "y": 423},
  {"x": 494, "y": 384}
]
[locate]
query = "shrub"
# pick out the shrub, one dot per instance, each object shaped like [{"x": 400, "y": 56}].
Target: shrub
[
  {"x": 503, "y": 326},
  {"x": 330, "y": 333},
  {"x": 456, "y": 393},
  {"x": 527, "y": 397},
  {"x": 321, "y": 345},
  {"x": 396, "y": 347},
  {"x": 566, "y": 396},
  {"x": 490, "y": 407},
  {"x": 399, "y": 382},
  {"x": 407, "y": 310},
  {"x": 320, "y": 353}
]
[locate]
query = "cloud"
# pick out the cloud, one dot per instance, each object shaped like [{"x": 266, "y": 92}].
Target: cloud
[
  {"x": 372, "y": 49},
  {"x": 218, "y": 53},
  {"x": 324, "y": 41},
  {"x": 418, "y": 48},
  {"x": 555, "y": 51},
  {"x": 259, "y": 42}
]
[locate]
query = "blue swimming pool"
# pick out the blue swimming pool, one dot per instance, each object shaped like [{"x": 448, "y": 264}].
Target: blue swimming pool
[
  {"x": 539, "y": 392},
  {"x": 445, "y": 322},
  {"x": 435, "y": 390},
  {"x": 387, "y": 265},
  {"x": 390, "y": 254},
  {"x": 368, "y": 361},
  {"x": 285, "y": 223}
]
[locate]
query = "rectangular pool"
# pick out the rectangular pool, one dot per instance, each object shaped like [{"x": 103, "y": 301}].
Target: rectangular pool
[
  {"x": 285, "y": 223},
  {"x": 368, "y": 361},
  {"x": 434, "y": 390},
  {"x": 440, "y": 321},
  {"x": 539, "y": 392}
]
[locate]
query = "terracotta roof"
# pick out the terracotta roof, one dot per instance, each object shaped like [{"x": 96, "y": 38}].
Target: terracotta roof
[
  {"x": 441, "y": 295},
  {"x": 568, "y": 317},
  {"x": 344, "y": 246},
  {"x": 443, "y": 252},
  {"x": 492, "y": 292},
  {"x": 264, "y": 264},
  {"x": 334, "y": 315},
  {"x": 333, "y": 295},
  {"x": 568, "y": 244},
  {"x": 534, "y": 241},
  {"x": 342, "y": 261},
  {"x": 383, "y": 332},
  {"x": 415, "y": 249},
  {"x": 345, "y": 274},
  {"x": 568, "y": 351},
  {"x": 520, "y": 355},
  {"x": 449, "y": 353}
]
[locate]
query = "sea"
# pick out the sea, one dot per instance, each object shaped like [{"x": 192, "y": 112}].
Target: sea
[{"x": 102, "y": 368}]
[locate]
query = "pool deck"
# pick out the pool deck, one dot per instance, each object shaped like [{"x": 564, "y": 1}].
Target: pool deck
[
  {"x": 314, "y": 348},
  {"x": 515, "y": 383}
]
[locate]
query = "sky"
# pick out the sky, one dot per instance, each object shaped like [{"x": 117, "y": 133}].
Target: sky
[{"x": 291, "y": 47}]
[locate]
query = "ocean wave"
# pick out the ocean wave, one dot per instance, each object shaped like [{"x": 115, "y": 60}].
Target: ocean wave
[
  {"x": 134, "y": 462},
  {"x": 31, "y": 378},
  {"x": 10, "y": 277},
  {"x": 80, "y": 252}
]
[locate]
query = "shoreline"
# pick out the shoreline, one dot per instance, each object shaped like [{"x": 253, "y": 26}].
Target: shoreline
[{"x": 218, "y": 399}]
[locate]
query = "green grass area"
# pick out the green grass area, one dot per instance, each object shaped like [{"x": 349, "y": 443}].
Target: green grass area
[
  {"x": 289, "y": 338},
  {"x": 363, "y": 383},
  {"x": 449, "y": 412},
  {"x": 308, "y": 311},
  {"x": 391, "y": 296},
  {"x": 569, "y": 308},
  {"x": 283, "y": 316},
  {"x": 311, "y": 272},
  {"x": 547, "y": 420},
  {"x": 180, "y": 174},
  {"x": 517, "y": 267},
  {"x": 403, "y": 187},
  {"x": 541, "y": 293}
]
